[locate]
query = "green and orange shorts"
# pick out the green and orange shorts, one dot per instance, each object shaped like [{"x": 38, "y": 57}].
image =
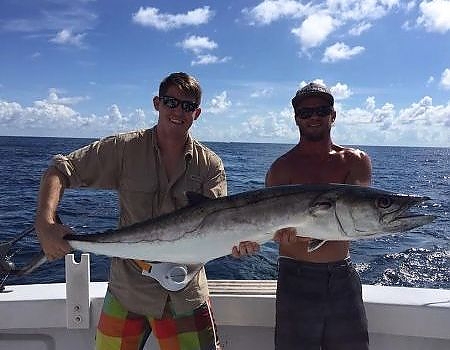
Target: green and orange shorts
[{"x": 119, "y": 329}]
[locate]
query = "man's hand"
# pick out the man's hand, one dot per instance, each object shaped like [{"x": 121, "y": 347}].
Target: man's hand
[
  {"x": 288, "y": 235},
  {"x": 50, "y": 236},
  {"x": 245, "y": 248}
]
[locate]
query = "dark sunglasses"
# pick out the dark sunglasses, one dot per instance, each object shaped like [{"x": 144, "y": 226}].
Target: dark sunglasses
[
  {"x": 172, "y": 102},
  {"x": 321, "y": 111}
]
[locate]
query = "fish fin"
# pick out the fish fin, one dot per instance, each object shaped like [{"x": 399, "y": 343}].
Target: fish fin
[
  {"x": 314, "y": 244},
  {"x": 35, "y": 262},
  {"x": 195, "y": 197}
]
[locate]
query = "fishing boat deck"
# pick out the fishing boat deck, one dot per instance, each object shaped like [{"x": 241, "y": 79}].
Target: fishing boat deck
[{"x": 64, "y": 315}]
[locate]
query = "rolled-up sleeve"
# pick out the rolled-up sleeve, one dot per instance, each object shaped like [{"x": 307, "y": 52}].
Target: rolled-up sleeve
[
  {"x": 216, "y": 184},
  {"x": 97, "y": 165}
]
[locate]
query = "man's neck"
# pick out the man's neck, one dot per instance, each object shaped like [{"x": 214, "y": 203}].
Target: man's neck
[
  {"x": 169, "y": 144},
  {"x": 322, "y": 147}
]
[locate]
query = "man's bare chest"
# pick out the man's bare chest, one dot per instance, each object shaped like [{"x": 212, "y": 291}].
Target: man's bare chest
[{"x": 331, "y": 171}]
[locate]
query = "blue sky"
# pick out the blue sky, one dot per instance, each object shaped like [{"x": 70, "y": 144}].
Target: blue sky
[{"x": 85, "y": 68}]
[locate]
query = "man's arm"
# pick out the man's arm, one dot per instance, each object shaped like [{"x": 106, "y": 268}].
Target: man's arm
[
  {"x": 50, "y": 233},
  {"x": 273, "y": 178}
]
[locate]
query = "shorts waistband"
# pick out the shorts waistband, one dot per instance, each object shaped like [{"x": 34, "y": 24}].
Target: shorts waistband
[{"x": 347, "y": 262}]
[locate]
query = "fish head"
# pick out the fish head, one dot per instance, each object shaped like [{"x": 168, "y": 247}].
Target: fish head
[{"x": 363, "y": 211}]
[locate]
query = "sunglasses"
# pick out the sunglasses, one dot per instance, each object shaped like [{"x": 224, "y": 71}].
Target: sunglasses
[
  {"x": 321, "y": 111},
  {"x": 172, "y": 102}
]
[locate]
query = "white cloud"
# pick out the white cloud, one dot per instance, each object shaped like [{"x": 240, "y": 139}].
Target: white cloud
[
  {"x": 261, "y": 93},
  {"x": 219, "y": 103},
  {"x": 150, "y": 17},
  {"x": 273, "y": 127},
  {"x": 420, "y": 123},
  {"x": 78, "y": 16},
  {"x": 370, "y": 103},
  {"x": 340, "y": 51},
  {"x": 41, "y": 114},
  {"x": 198, "y": 44},
  {"x": 66, "y": 37},
  {"x": 358, "y": 10},
  {"x": 209, "y": 59},
  {"x": 410, "y": 5},
  {"x": 341, "y": 91},
  {"x": 360, "y": 28},
  {"x": 315, "y": 29},
  {"x": 269, "y": 11},
  {"x": 435, "y": 15},
  {"x": 49, "y": 118},
  {"x": 54, "y": 98},
  {"x": 445, "y": 79}
]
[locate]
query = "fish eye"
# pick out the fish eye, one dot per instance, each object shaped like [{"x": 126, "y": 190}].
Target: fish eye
[
  {"x": 383, "y": 202},
  {"x": 323, "y": 205}
]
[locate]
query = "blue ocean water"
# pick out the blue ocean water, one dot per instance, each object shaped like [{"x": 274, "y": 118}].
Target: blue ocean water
[{"x": 418, "y": 258}]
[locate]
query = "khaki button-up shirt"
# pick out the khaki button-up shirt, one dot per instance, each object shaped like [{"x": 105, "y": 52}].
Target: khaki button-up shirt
[{"x": 131, "y": 164}]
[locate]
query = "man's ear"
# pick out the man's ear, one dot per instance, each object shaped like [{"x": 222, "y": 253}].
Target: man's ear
[
  {"x": 333, "y": 118},
  {"x": 156, "y": 101},
  {"x": 197, "y": 113}
]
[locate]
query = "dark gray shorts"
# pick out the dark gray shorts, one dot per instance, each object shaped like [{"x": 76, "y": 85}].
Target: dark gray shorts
[{"x": 319, "y": 306}]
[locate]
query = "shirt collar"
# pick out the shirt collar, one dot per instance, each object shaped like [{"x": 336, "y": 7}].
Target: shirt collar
[{"x": 188, "y": 148}]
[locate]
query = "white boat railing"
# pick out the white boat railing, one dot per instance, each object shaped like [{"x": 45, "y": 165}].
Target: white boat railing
[{"x": 65, "y": 315}]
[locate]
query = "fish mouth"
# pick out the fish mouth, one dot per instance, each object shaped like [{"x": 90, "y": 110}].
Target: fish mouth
[{"x": 403, "y": 219}]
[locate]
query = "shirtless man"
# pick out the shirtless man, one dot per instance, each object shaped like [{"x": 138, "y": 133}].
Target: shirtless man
[{"x": 319, "y": 303}]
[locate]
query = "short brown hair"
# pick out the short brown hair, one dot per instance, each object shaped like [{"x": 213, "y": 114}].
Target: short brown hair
[{"x": 183, "y": 81}]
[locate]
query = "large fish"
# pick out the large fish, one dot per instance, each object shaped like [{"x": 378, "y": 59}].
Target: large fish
[{"x": 208, "y": 228}]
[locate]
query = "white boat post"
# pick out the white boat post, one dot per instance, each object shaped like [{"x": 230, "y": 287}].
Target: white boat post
[{"x": 65, "y": 315}]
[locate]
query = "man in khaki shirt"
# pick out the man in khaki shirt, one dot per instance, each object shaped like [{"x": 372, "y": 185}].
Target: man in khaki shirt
[{"x": 151, "y": 170}]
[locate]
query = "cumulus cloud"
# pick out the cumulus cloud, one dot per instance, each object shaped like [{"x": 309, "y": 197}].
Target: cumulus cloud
[
  {"x": 209, "y": 59},
  {"x": 445, "y": 79},
  {"x": 370, "y": 103},
  {"x": 269, "y": 11},
  {"x": 273, "y": 127},
  {"x": 435, "y": 16},
  {"x": 219, "y": 103},
  {"x": 198, "y": 44},
  {"x": 358, "y": 10},
  {"x": 54, "y": 117},
  {"x": 340, "y": 51},
  {"x": 151, "y": 17},
  {"x": 360, "y": 28},
  {"x": 420, "y": 123},
  {"x": 341, "y": 91},
  {"x": 54, "y": 97},
  {"x": 321, "y": 19},
  {"x": 66, "y": 37},
  {"x": 315, "y": 29},
  {"x": 40, "y": 114}
]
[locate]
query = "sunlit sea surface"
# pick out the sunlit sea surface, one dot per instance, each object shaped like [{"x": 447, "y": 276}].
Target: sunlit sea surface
[{"x": 418, "y": 258}]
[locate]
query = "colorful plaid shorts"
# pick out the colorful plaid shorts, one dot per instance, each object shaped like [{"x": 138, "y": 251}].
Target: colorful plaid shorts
[{"x": 119, "y": 329}]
